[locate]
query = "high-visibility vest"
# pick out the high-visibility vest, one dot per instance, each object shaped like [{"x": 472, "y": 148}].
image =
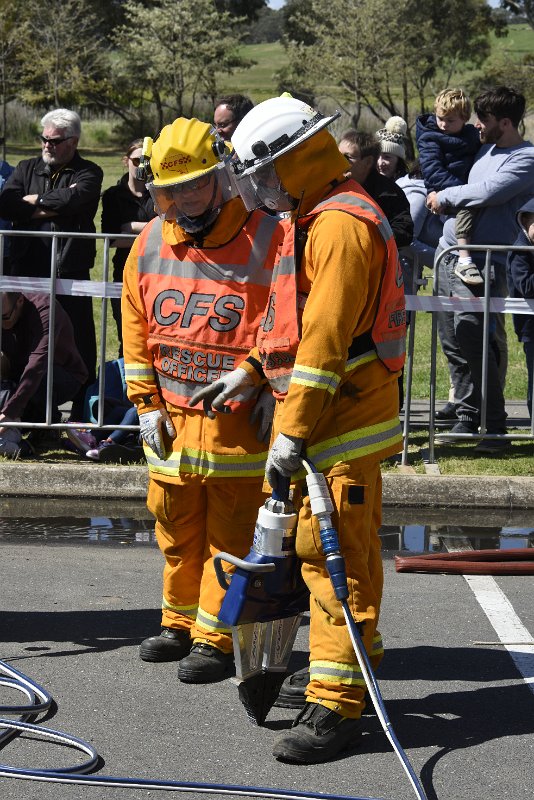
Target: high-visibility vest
[
  {"x": 279, "y": 334},
  {"x": 203, "y": 306}
]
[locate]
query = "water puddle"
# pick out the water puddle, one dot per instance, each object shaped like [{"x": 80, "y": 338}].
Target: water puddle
[{"x": 120, "y": 524}]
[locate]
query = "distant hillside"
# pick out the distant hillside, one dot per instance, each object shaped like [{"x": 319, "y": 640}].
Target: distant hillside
[{"x": 259, "y": 80}]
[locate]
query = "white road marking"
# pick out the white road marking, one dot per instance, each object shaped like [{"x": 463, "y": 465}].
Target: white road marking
[{"x": 502, "y": 617}]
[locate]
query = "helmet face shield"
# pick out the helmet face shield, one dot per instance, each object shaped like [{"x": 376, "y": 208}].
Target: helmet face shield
[
  {"x": 193, "y": 198},
  {"x": 262, "y": 187}
]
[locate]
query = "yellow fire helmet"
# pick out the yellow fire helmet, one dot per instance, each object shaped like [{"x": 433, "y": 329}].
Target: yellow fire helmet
[{"x": 190, "y": 178}]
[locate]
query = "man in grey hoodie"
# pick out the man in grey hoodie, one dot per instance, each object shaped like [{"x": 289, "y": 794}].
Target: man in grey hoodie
[{"x": 500, "y": 182}]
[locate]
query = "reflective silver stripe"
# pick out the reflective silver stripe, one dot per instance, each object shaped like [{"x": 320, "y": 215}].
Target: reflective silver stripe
[
  {"x": 359, "y": 202},
  {"x": 378, "y": 645},
  {"x": 354, "y": 444},
  {"x": 179, "y": 387},
  {"x": 253, "y": 271},
  {"x": 137, "y": 371},
  {"x": 330, "y": 672},
  {"x": 363, "y": 358},
  {"x": 208, "y": 464},
  {"x": 391, "y": 349},
  {"x": 285, "y": 266},
  {"x": 210, "y": 623},
  {"x": 315, "y": 379},
  {"x": 187, "y": 611}
]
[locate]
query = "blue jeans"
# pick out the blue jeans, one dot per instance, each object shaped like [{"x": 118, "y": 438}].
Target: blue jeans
[{"x": 461, "y": 336}]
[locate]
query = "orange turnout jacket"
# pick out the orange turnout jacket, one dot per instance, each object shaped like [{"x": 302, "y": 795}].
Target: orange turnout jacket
[{"x": 190, "y": 314}]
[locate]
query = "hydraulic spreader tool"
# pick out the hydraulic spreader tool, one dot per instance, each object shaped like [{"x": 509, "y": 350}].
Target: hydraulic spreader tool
[{"x": 264, "y": 600}]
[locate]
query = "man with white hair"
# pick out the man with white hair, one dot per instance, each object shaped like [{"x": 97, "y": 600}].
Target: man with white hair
[{"x": 57, "y": 191}]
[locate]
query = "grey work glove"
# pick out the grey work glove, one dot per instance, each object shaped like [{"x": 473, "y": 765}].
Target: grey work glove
[
  {"x": 283, "y": 458},
  {"x": 262, "y": 414},
  {"x": 215, "y": 395},
  {"x": 151, "y": 425}
]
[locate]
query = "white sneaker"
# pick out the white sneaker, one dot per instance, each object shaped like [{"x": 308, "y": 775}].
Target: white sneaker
[{"x": 469, "y": 274}]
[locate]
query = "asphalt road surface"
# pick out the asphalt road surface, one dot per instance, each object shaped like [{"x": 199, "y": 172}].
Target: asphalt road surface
[{"x": 72, "y": 617}]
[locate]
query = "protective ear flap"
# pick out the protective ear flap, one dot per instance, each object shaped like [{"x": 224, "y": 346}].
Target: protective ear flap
[
  {"x": 218, "y": 147},
  {"x": 143, "y": 171}
]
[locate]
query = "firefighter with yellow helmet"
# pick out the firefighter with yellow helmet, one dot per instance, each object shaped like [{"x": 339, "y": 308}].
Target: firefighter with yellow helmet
[
  {"x": 196, "y": 283},
  {"x": 331, "y": 344}
]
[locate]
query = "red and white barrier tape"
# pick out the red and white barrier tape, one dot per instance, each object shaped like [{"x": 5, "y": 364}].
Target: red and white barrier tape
[{"x": 506, "y": 305}]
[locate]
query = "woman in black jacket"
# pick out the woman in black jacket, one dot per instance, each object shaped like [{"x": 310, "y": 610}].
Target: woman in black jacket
[{"x": 126, "y": 208}]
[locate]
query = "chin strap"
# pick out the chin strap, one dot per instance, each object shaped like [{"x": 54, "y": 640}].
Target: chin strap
[{"x": 198, "y": 224}]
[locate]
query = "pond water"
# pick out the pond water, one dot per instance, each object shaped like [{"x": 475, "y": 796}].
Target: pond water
[{"x": 120, "y": 524}]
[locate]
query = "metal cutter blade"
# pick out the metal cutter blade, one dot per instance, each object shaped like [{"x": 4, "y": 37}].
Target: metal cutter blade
[{"x": 262, "y": 651}]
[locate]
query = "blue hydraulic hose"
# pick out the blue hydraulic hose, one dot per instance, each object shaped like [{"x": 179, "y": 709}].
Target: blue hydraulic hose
[
  {"x": 335, "y": 566},
  {"x": 75, "y": 774}
]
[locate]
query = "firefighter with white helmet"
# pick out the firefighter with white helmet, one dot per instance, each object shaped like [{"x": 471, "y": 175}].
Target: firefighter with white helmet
[
  {"x": 331, "y": 345},
  {"x": 196, "y": 283}
]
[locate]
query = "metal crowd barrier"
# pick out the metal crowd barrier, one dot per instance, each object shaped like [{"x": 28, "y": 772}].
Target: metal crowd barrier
[
  {"x": 414, "y": 303},
  {"x": 485, "y": 305},
  {"x": 53, "y": 285}
]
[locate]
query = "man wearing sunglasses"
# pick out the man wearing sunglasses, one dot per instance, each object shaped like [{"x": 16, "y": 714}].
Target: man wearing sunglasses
[{"x": 57, "y": 191}]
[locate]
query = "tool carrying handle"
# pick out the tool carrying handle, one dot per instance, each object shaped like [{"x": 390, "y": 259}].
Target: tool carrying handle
[
  {"x": 282, "y": 488},
  {"x": 247, "y": 566}
]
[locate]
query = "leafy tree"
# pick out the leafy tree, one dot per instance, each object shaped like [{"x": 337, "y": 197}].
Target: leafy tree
[
  {"x": 11, "y": 41},
  {"x": 63, "y": 56},
  {"x": 523, "y": 8},
  {"x": 379, "y": 54},
  {"x": 174, "y": 50},
  {"x": 269, "y": 27},
  {"x": 241, "y": 8}
]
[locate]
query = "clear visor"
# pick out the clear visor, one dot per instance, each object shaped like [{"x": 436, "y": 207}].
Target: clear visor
[
  {"x": 195, "y": 197},
  {"x": 262, "y": 187}
]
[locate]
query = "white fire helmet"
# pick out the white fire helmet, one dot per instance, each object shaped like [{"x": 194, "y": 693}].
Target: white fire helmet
[{"x": 269, "y": 130}]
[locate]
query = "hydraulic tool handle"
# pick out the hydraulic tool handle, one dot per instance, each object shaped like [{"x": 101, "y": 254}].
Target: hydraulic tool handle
[
  {"x": 282, "y": 488},
  {"x": 239, "y": 563}
]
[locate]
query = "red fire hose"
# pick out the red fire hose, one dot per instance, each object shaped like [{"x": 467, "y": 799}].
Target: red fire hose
[{"x": 471, "y": 562}]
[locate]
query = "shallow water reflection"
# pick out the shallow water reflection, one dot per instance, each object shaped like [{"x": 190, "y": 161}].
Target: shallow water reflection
[{"x": 119, "y": 524}]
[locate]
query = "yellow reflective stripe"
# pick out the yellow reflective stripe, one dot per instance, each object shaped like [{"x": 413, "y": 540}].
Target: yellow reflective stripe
[
  {"x": 336, "y": 672},
  {"x": 187, "y": 611},
  {"x": 139, "y": 372},
  {"x": 211, "y": 623},
  {"x": 316, "y": 378},
  {"x": 358, "y": 361},
  {"x": 356, "y": 444},
  {"x": 200, "y": 462},
  {"x": 378, "y": 645}
]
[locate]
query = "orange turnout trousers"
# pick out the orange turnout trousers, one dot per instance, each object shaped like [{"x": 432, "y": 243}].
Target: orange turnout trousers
[
  {"x": 194, "y": 521},
  {"x": 336, "y": 680}
]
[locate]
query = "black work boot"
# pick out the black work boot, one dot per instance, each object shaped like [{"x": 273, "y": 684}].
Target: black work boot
[
  {"x": 169, "y": 645},
  {"x": 292, "y": 690},
  {"x": 318, "y": 734},
  {"x": 205, "y": 664},
  {"x": 292, "y": 693}
]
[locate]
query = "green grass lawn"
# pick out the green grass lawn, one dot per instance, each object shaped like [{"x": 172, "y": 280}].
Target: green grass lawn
[{"x": 257, "y": 81}]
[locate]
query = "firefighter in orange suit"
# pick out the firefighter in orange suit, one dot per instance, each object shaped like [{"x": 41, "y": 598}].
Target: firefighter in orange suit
[
  {"x": 331, "y": 345},
  {"x": 195, "y": 287}
]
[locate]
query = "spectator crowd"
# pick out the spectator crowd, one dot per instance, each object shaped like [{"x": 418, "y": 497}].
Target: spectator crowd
[{"x": 470, "y": 184}]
